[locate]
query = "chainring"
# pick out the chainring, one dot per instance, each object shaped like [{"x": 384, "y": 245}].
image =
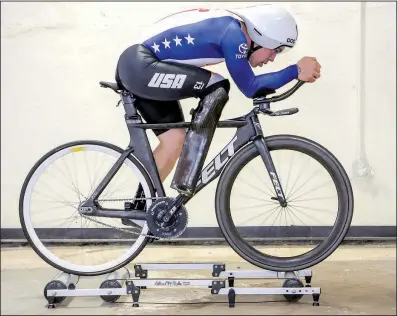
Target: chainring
[{"x": 174, "y": 228}]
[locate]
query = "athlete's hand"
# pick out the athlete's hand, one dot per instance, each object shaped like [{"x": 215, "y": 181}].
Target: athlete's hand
[{"x": 309, "y": 69}]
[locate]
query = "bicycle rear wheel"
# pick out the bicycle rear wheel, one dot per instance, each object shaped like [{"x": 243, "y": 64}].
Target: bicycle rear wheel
[
  {"x": 300, "y": 235},
  {"x": 49, "y": 215}
]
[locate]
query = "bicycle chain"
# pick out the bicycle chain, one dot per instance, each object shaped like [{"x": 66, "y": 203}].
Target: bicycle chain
[
  {"x": 128, "y": 199},
  {"x": 117, "y": 228}
]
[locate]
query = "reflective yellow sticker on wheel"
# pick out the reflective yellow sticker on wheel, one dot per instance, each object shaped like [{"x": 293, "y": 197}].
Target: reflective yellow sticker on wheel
[{"x": 76, "y": 149}]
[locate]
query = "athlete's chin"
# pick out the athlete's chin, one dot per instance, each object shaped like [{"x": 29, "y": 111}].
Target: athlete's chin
[{"x": 260, "y": 64}]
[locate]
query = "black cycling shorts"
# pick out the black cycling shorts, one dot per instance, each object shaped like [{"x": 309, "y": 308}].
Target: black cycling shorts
[{"x": 158, "y": 86}]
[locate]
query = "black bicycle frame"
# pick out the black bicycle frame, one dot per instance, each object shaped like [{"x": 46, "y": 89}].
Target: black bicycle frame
[{"x": 248, "y": 130}]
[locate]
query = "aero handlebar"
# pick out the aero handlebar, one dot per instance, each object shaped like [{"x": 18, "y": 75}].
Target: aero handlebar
[{"x": 279, "y": 97}]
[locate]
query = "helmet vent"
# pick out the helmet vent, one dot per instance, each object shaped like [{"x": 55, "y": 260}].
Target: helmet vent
[{"x": 258, "y": 32}]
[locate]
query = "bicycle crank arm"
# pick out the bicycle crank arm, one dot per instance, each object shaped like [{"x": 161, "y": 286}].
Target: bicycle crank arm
[
  {"x": 139, "y": 215},
  {"x": 179, "y": 200}
]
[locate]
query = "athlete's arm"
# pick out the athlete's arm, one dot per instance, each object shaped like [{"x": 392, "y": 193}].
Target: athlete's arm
[{"x": 241, "y": 72}]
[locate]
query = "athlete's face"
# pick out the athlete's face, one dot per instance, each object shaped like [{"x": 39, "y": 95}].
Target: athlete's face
[{"x": 262, "y": 56}]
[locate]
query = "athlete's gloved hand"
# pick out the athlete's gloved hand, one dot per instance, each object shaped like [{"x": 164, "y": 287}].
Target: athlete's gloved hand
[{"x": 309, "y": 69}]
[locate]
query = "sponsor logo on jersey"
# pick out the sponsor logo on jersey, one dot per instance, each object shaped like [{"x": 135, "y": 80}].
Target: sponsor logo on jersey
[
  {"x": 242, "y": 50},
  {"x": 167, "y": 81}
]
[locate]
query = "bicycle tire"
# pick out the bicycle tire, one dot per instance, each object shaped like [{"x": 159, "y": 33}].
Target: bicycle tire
[
  {"x": 318, "y": 254},
  {"x": 23, "y": 193}
]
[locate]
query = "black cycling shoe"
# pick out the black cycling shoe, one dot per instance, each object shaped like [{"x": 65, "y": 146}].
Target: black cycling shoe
[{"x": 138, "y": 205}]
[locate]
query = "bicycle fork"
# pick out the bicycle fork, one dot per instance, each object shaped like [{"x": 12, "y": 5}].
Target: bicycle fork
[
  {"x": 266, "y": 156},
  {"x": 259, "y": 142}
]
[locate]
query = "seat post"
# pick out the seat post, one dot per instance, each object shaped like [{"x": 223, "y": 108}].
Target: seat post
[
  {"x": 139, "y": 141},
  {"x": 128, "y": 103}
]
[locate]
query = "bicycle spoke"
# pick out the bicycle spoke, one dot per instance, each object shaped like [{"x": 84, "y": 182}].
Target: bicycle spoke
[
  {"x": 49, "y": 189},
  {"x": 289, "y": 213},
  {"x": 263, "y": 182},
  {"x": 313, "y": 208},
  {"x": 77, "y": 177},
  {"x": 86, "y": 223},
  {"x": 310, "y": 217},
  {"x": 255, "y": 206},
  {"x": 314, "y": 199},
  {"x": 256, "y": 188},
  {"x": 71, "y": 177},
  {"x": 289, "y": 173},
  {"x": 293, "y": 214},
  {"x": 285, "y": 211},
  {"x": 97, "y": 173},
  {"x": 256, "y": 215},
  {"x": 106, "y": 189},
  {"x": 116, "y": 187},
  {"x": 67, "y": 203},
  {"x": 89, "y": 175},
  {"x": 315, "y": 189},
  {"x": 258, "y": 199},
  {"x": 73, "y": 188},
  {"x": 310, "y": 178},
  {"x": 68, "y": 218},
  {"x": 70, "y": 222},
  {"x": 275, "y": 210},
  {"x": 298, "y": 177},
  {"x": 276, "y": 216},
  {"x": 52, "y": 208}
]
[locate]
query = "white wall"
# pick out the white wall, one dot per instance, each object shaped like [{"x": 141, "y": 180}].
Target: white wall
[{"x": 54, "y": 54}]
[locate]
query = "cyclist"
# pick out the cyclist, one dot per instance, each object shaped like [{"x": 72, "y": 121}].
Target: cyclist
[{"x": 166, "y": 67}]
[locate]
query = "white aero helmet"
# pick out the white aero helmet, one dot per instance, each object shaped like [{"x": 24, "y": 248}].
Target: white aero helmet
[{"x": 269, "y": 26}]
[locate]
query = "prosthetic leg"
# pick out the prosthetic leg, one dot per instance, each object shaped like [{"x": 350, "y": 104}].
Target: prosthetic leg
[{"x": 198, "y": 140}]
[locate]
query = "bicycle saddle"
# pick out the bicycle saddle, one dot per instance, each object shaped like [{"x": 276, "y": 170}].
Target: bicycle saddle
[{"x": 112, "y": 85}]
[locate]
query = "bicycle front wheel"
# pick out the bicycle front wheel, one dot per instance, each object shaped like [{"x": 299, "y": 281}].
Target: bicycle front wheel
[
  {"x": 49, "y": 215},
  {"x": 319, "y": 204}
]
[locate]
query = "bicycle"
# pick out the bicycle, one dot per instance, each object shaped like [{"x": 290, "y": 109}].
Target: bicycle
[{"x": 166, "y": 216}]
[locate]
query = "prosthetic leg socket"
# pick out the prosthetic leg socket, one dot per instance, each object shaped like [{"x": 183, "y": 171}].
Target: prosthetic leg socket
[{"x": 198, "y": 140}]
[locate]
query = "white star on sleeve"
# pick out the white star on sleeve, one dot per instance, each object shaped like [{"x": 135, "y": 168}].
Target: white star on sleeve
[
  {"x": 190, "y": 39},
  {"x": 166, "y": 43},
  {"x": 177, "y": 40},
  {"x": 155, "y": 47}
]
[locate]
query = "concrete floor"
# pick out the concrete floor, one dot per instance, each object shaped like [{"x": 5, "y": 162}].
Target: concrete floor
[{"x": 358, "y": 280}]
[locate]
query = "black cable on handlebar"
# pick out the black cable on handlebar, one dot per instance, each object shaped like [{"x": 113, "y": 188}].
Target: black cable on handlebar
[{"x": 279, "y": 97}]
